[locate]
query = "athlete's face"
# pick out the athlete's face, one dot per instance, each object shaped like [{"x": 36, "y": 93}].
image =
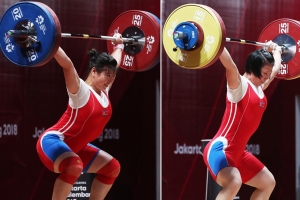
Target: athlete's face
[
  {"x": 265, "y": 75},
  {"x": 103, "y": 79}
]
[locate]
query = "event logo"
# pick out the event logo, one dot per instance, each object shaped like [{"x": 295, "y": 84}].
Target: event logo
[{"x": 184, "y": 149}]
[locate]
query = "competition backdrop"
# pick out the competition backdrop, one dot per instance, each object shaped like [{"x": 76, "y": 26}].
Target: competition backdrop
[
  {"x": 33, "y": 99},
  {"x": 193, "y": 102}
]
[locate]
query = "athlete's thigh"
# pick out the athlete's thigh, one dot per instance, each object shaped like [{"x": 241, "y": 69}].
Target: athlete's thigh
[
  {"x": 50, "y": 146},
  {"x": 93, "y": 158},
  {"x": 52, "y": 150},
  {"x": 249, "y": 166},
  {"x": 216, "y": 157}
]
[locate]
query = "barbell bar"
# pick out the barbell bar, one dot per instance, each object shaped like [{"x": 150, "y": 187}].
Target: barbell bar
[
  {"x": 283, "y": 48},
  {"x": 25, "y": 33},
  {"x": 179, "y": 35},
  {"x": 32, "y": 35},
  {"x": 199, "y": 32}
]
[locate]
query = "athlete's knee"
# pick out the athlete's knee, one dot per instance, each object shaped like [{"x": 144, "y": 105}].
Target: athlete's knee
[
  {"x": 109, "y": 172},
  {"x": 236, "y": 182},
  {"x": 272, "y": 184},
  {"x": 70, "y": 169},
  {"x": 232, "y": 184},
  {"x": 230, "y": 177},
  {"x": 268, "y": 183},
  {"x": 264, "y": 180}
]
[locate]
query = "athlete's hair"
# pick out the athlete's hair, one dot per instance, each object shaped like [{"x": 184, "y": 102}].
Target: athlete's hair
[
  {"x": 101, "y": 61},
  {"x": 256, "y": 60}
]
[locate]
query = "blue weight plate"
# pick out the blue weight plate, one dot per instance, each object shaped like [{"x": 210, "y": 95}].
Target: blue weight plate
[
  {"x": 158, "y": 22},
  {"x": 157, "y": 19},
  {"x": 38, "y": 18}
]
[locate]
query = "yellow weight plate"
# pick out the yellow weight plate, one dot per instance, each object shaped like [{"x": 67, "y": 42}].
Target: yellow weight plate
[{"x": 213, "y": 41}]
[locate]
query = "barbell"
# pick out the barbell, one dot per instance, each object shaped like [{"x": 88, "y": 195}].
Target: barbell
[
  {"x": 31, "y": 34},
  {"x": 194, "y": 36}
]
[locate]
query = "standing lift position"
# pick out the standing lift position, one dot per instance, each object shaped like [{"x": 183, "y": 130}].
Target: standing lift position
[
  {"x": 225, "y": 156},
  {"x": 64, "y": 148}
]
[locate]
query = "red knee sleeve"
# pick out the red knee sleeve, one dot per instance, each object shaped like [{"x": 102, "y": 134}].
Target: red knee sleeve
[
  {"x": 70, "y": 169},
  {"x": 109, "y": 172}
]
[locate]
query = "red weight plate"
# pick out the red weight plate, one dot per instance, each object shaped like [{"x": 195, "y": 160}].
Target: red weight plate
[
  {"x": 58, "y": 33},
  {"x": 144, "y": 56},
  {"x": 288, "y": 29}
]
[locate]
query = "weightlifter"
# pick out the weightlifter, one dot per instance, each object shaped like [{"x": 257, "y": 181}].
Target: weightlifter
[
  {"x": 64, "y": 148},
  {"x": 225, "y": 156}
]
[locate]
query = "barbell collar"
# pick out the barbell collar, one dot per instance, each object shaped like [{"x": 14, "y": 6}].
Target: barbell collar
[{"x": 180, "y": 35}]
